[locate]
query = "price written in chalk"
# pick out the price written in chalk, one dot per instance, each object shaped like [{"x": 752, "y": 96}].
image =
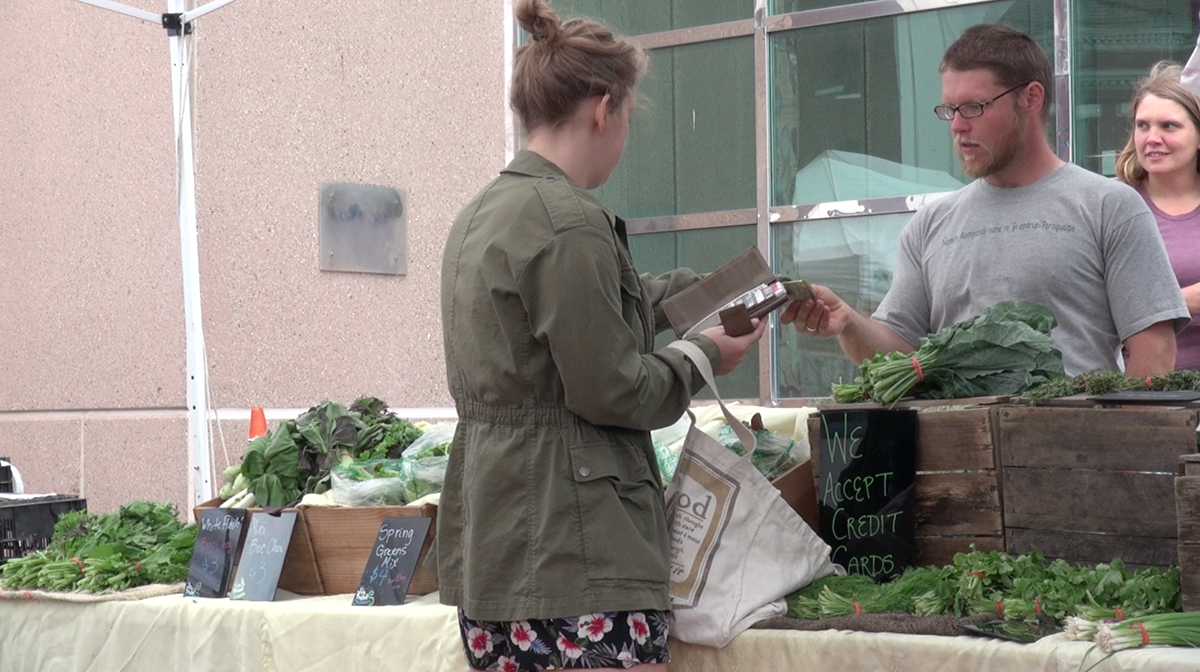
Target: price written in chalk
[
  {"x": 218, "y": 536},
  {"x": 393, "y": 560},
  {"x": 263, "y": 555}
]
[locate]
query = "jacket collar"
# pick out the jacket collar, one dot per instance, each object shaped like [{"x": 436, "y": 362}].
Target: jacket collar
[{"x": 534, "y": 165}]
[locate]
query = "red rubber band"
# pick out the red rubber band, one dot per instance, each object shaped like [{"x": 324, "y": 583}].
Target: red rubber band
[
  {"x": 138, "y": 566},
  {"x": 917, "y": 369},
  {"x": 1145, "y": 635},
  {"x": 976, "y": 573},
  {"x": 999, "y": 607},
  {"x": 78, "y": 562},
  {"x": 1119, "y": 614},
  {"x": 857, "y": 608},
  {"x": 1149, "y": 383},
  {"x": 1037, "y": 606}
]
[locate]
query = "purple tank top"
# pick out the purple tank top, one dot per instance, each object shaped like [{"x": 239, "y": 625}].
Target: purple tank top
[{"x": 1181, "y": 234}]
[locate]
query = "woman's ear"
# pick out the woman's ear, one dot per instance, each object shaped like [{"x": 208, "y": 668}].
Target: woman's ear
[{"x": 600, "y": 113}]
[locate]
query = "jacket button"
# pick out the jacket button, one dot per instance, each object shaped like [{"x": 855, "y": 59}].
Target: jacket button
[{"x": 584, "y": 471}]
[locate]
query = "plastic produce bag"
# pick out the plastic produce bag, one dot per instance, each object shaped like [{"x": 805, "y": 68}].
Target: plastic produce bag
[
  {"x": 774, "y": 453},
  {"x": 423, "y": 463},
  {"x": 422, "y": 476},
  {"x": 368, "y": 483},
  {"x": 434, "y": 441}
]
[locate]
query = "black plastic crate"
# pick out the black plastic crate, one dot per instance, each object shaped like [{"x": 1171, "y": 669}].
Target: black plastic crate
[
  {"x": 6, "y": 477},
  {"x": 26, "y": 525}
]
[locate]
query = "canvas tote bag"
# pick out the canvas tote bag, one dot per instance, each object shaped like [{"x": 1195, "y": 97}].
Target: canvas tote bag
[{"x": 737, "y": 548}]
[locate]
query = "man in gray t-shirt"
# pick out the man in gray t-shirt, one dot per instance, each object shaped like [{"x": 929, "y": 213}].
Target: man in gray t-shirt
[{"x": 1030, "y": 228}]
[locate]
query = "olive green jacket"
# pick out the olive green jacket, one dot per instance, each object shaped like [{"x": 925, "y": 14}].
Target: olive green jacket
[{"x": 553, "y": 502}]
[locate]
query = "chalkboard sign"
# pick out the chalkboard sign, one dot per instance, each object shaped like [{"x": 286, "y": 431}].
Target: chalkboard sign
[
  {"x": 392, "y": 562},
  {"x": 262, "y": 557},
  {"x": 866, "y": 491},
  {"x": 218, "y": 536}
]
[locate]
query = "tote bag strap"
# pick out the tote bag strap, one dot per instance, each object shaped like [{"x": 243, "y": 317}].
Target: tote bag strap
[{"x": 700, "y": 360}]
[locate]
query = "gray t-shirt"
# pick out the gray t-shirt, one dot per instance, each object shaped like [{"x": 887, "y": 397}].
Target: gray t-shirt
[{"x": 1081, "y": 244}]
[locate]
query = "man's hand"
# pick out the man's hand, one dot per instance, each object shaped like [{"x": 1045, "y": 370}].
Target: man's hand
[
  {"x": 827, "y": 315},
  {"x": 823, "y": 315}
]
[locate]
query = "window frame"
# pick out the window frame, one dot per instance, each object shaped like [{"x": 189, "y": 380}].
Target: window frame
[{"x": 768, "y": 218}]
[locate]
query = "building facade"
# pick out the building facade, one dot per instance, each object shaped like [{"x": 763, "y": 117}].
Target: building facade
[{"x": 803, "y": 127}]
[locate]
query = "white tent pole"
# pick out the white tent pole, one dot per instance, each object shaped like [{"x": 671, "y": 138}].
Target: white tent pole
[{"x": 182, "y": 47}]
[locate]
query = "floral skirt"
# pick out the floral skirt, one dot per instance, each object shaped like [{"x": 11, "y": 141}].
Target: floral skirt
[{"x": 614, "y": 639}]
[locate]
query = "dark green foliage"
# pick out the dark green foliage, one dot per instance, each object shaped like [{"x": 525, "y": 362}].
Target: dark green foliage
[
  {"x": 1004, "y": 351},
  {"x": 142, "y": 543}
]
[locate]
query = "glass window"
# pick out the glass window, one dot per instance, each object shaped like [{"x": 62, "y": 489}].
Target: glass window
[
  {"x": 1115, "y": 43},
  {"x": 789, "y": 6},
  {"x": 638, "y": 17},
  {"x": 852, "y": 103},
  {"x": 691, "y": 142},
  {"x": 702, "y": 250},
  {"x": 861, "y": 129},
  {"x": 853, "y": 256}
]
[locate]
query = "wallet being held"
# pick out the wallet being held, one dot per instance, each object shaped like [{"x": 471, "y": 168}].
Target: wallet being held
[{"x": 731, "y": 296}]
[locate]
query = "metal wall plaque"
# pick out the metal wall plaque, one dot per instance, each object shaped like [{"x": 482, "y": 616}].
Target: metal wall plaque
[{"x": 363, "y": 229}]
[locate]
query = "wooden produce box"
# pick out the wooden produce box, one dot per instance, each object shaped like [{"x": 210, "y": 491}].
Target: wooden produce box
[
  {"x": 1092, "y": 484},
  {"x": 342, "y": 539},
  {"x": 1187, "y": 507},
  {"x": 330, "y": 547},
  {"x": 797, "y": 486},
  {"x": 957, "y": 485},
  {"x": 299, "y": 574}
]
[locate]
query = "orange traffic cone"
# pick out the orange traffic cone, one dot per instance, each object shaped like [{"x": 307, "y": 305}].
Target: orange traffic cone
[{"x": 258, "y": 422}]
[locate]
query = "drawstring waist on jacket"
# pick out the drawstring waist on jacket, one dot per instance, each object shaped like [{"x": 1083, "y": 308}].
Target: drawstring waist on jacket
[{"x": 516, "y": 415}]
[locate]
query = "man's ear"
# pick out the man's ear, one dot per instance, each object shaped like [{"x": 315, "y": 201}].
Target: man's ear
[
  {"x": 600, "y": 113},
  {"x": 1035, "y": 97}
]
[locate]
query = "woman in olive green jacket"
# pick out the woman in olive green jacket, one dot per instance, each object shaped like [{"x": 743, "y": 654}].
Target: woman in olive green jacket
[{"x": 552, "y": 536}]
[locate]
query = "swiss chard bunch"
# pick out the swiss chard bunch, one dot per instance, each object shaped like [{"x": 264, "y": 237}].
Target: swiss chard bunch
[{"x": 1006, "y": 350}]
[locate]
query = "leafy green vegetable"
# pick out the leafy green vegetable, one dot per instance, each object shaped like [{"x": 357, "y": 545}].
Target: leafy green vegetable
[
  {"x": 1004, "y": 351},
  {"x": 1017, "y": 588},
  {"x": 1103, "y": 382},
  {"x": 142, "y": 543}
]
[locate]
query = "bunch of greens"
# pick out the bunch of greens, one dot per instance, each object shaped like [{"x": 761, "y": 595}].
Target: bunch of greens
[
  {"x": 296, "y": 458},
  {"x": 142, "y": 543},
  {"x": 1016, "y": 588},
  {"x": 1006, "y": 350},
  {"x": 1104, "y": 382}
]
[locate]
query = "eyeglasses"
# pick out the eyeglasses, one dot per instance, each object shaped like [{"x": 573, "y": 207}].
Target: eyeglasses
[{"x": 972, "y": 109}]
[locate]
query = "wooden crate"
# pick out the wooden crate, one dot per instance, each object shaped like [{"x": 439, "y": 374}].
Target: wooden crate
[
  {"x": 1092, "y": 484},
  {"x": 1187, "y": 506},
  {"x": 330, "y": 547},
  {"x": 342, "y": 539},
  {"x": 957, "y": 486},
  {"x": 797, "y": 486}
]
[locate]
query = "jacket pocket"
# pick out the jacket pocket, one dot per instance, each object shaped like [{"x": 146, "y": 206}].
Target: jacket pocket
[{"x": 621, "y": 514}]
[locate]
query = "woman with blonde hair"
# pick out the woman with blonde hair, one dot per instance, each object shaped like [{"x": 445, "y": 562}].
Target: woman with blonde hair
[
  {"x": 551, "y": 531},
  {"x": 1162, "y": 161}
]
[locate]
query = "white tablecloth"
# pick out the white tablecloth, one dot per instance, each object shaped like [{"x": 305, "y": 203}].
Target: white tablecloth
[{"x": 327, "y": 634}]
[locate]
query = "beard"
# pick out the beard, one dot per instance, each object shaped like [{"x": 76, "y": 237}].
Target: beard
[{"x": 993, "y": 158}]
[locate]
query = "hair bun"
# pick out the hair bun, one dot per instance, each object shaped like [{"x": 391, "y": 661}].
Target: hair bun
[{"x": 536, "y": 17}]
